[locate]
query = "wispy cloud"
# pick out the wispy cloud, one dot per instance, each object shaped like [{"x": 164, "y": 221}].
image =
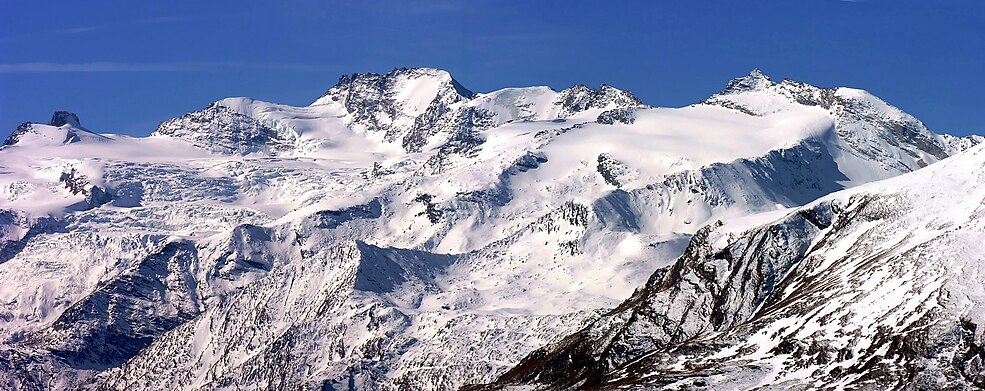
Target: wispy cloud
[
  {"x": 87, "y": 67},
  {"x": 515, "y": 37},
  {"x": 61, "y": 32},
  {"x": 132, "y": 22},
  {"x": 51, "y": 67},
  {"x": 420, "y": 8},
  {"x": 76, "y": 30},
  {"x": 437, "y": 7}
]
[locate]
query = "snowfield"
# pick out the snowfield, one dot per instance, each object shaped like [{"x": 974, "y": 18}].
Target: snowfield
[{"x": 403, "y": 232}]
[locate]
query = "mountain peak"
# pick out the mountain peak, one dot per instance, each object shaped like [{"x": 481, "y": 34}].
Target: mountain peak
[
  {"x": 755, "y": 80},
  {"x": 60, "y": 118},
  {"x": 55, "y": 132},
  {"x": 431, "y": 79},
  {"x": 15, "y": 136},
  {"x": 408, "y": 105}
]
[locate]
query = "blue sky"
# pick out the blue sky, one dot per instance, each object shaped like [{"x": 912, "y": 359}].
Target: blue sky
[{"x": 125, "y": 66}]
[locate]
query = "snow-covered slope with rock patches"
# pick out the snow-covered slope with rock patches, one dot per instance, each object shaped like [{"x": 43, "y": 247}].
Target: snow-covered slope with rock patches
[
  {"x": 870, "y": 131},
  {"x": 409, "y": 109},
  {"x": 63, "y": 128},
  {"x": 400, "y": 232},
  {"x": 876, "y": 287},
  {"x": 219, "y": 128}
]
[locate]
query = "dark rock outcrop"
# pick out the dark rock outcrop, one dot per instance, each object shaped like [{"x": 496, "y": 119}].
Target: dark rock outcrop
[{"x": 61, "y": 118}]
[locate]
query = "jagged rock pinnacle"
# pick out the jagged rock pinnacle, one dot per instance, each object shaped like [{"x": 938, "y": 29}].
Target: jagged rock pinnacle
[
  {"x": 60, "y": 118},
  {"x": 753, "y": 81}
]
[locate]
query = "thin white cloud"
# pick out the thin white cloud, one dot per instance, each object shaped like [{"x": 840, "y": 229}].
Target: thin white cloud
[
  {"x": 51, "y": 67},
  {"x": 431, "y": 7},
  {"x": 133, "y": 22},
  {"x": 54, "y": 67},
  {"x": 77, "y": 30},
  {"x": 106, "y": 26}
]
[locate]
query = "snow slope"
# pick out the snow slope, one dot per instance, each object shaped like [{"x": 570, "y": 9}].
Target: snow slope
[
  {"x": 379, "y": 235},
  {"x": 876, "y": 287}
]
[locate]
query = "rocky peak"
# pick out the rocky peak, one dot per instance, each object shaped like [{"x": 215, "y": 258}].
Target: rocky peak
[
  {"x": 795, "y": 91},
  {"x": 74, "y": 132},
  {"x": 17, "y": 133},
  {"x": 400, "y": 82},
  {"x": 755, "y": 80},
  {"x": 407, "y": 105},
  {"x": 60, "y": 118},
  {"x": 744, "y": 94},
  {"x": 580, "y": 98}
]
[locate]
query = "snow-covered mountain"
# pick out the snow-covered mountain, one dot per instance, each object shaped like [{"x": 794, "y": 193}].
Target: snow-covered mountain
[
  {"x": 63, "y": 128},
  {"x": 413, "y": 109},
  {"x": 401, "y": 232},
  {"x": 875, "y": 287}
]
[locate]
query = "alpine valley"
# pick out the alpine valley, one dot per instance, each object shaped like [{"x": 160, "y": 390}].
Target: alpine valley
[{"x": 405, "y": 233}]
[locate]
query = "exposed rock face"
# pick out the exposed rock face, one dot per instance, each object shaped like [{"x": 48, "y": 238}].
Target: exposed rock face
[
  {"x": 125, "y": 314},
  {"x": 76, "y": 183},
  {"x": 611, "y": 170},
  {"x": 17, "y": 133},
  {"x": 623, "y": 115},
  {"x": 580, "y": 98},
  {"x": 222, "y": 130},
  {"x": 61, "y": 118},
  {"x": 408, "y": 106},
  {"x": 754, "y": 81}
]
